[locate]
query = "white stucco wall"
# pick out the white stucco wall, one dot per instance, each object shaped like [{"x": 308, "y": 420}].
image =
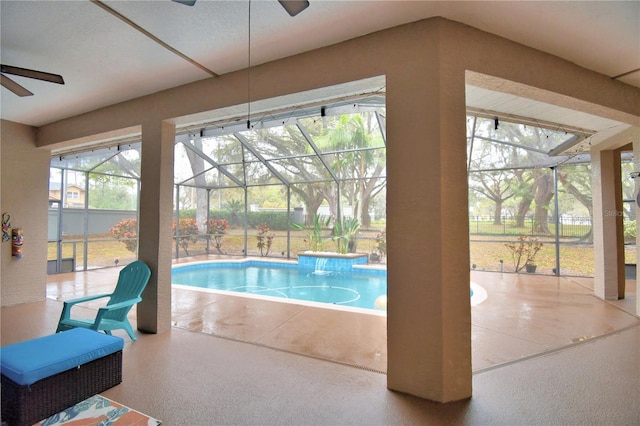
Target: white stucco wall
[{"x": 24, "y": 194}]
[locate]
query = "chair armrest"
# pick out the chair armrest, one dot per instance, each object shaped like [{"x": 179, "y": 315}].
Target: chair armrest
[
  {"x": 121, "y": 305},
  {"x": 85, "y": 299},
  {"x": 66, "y": 307},
  {"x": 105, "y": 309}
]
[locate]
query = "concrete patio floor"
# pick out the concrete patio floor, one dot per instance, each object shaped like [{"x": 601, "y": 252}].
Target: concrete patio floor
[{"x": 524, "y": 315}]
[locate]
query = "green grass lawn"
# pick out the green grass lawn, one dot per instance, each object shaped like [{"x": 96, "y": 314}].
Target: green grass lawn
[
  {"x": 575, "y": 259},
  {"x": 485, "y": 251},
  {"x": 103, "y": 251}
]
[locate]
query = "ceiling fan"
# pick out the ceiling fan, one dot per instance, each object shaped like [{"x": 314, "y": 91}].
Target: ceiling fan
[
  {"x": 293, "y": 7},
  {"x": 23, "y": 72}
]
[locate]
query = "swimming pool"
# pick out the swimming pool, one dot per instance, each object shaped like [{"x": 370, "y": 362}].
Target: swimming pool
[{"x": 358, "y": 288}]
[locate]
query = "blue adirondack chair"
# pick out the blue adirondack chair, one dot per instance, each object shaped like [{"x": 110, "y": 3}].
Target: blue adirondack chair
[{"x": 131, "y": 282}]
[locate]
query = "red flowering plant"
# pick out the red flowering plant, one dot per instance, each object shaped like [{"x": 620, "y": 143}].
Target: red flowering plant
[
  {"x": 187, "y": 233},
  {"x": 265, "y": 239},
  {"x": 126, "y": 231},
  {"x": 523, "y": 251},
  {"x": 216, "y": 229}
]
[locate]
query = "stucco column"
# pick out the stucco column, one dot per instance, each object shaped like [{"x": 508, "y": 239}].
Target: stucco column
[
  {"x": 636, "y": 168},
  {"x": 428, "y": 312},
  {"x": 156, "y": 216},
  {"x": 607, "y": 223}
]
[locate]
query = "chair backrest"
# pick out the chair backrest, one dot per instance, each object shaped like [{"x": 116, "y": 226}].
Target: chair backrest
[{"x": 132, "y": 280}]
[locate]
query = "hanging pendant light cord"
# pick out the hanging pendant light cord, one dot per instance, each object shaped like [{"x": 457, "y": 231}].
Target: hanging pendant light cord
[{"x": 249, "y": 72}]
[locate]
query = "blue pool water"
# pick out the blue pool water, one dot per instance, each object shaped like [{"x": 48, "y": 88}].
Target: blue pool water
[{"x": 358, "y": 288}]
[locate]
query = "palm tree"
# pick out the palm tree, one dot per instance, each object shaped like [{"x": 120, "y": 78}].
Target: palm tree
[{"x": 357, "y": 163}]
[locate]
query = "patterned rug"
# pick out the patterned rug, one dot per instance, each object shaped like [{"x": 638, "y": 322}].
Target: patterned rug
[{"x": 101, "y": 411}]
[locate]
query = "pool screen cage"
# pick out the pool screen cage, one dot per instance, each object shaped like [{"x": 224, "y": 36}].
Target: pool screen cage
[
  {"x": 240, "y": 187},
  {"x": 530, "y": 198}
]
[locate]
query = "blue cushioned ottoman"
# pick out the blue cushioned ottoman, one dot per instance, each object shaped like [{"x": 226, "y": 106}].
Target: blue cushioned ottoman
[{"x": 44, "y": 376}]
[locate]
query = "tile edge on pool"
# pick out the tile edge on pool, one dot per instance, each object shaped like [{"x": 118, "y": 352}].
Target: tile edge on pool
[{"x": 304, "y": 303}]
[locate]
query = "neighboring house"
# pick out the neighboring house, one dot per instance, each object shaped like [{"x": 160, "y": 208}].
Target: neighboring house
[{"x": 74, "y": 196}]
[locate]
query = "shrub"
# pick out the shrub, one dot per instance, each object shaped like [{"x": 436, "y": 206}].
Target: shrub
[
  {"x": 216, "y": 229},
  {"x": 265, "y": 239},
  {"x": 629, "y": 229},
  {"x": 187, "y": 233},
  {"x": 524, "y": 251},
  {"x": 235, "y": 208},
  {"x": 126, "y": 231},
  {"x": 186, "y": 213},
  {"x": 220, "y": 214},
  {"x": 275, "y": 220}
]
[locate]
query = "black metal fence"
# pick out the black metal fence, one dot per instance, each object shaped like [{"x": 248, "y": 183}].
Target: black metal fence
[{"x": 569, "y": 226}]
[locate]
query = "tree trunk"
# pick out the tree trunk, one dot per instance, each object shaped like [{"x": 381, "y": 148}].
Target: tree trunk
[
  {"x": 523, "y": 208},
  {"x": 197, "y": 167},
  {"x": 585, "y": 200},
  {"x": 543, "y": 197},
  {"x": 497, "y": 212},
  {"x": 366, "y": 217},
  {"x": 541, "y": 220},
  {"x": 368, "y": 194},
  {"x": 330, "y": 194},
  {"x": 312, "y": 201},
  {"x": 201, "y": 209}
]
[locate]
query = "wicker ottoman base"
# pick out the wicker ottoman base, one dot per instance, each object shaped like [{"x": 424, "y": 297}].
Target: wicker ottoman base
[{"x": 26, "y": 405}]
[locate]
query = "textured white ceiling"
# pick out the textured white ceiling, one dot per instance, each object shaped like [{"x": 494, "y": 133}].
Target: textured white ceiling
[{"x": 104, "y": 60}]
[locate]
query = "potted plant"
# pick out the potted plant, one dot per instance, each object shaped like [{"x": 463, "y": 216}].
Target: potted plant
[{"x": 523, "y": 252}]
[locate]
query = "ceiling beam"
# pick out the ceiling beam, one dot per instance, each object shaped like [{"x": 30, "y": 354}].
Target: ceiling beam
[{"x": 152, "y": 37}]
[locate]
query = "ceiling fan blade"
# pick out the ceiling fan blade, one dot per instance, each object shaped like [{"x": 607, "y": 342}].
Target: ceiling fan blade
[
  {"x": 186, "y": 2},
  {"x": 38, "y": 75},
  {"x": 293, "y": 7},
  {"x": 14, "y": 87}
]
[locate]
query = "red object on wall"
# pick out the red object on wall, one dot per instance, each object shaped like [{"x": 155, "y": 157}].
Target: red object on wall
[{"x": 17, "y": 242}]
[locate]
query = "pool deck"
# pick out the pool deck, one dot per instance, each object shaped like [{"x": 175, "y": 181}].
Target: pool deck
[{"x": 524, "y": 315}]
